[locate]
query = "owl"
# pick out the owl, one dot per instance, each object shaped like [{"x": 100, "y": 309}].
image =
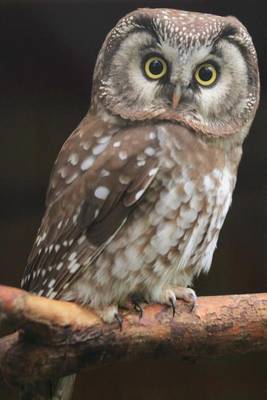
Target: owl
[{"x": 140, "y": 190}]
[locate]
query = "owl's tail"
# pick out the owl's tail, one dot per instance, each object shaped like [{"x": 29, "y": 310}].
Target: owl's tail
[{"x": 61, "y": 389}]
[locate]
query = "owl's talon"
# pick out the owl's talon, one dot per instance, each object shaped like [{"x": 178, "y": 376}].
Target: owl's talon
[
  {"x": 138, "y": 308},
  {"x": 192, "y": 306},
  {"x": 119, "y": 319},
  {"x": 136, "y": 300},
  {"x": 188, "y": 295},
  {"x": 173, "y": 306}
]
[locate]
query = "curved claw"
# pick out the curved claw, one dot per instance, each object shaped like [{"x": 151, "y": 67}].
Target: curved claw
[
  {"x": 139, "y": 309},
  {"x": 192, "y": 305},
  {"x": 119, "y": 319},
  {"x": 136, "y": 300},
  {"x": 186, "y": 294},
  {"x": 173, "y": 306}
]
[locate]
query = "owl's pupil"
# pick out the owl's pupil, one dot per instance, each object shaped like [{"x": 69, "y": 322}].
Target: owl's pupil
[
  {"x": 156, "y": 67},
  {"x": 205, "y": 74}
]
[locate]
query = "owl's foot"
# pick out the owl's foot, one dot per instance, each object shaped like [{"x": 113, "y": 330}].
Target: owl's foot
[
  {"x": 186, "y": 294},
  {"x": 110, "y": 314},
  {"x": 170, "y": 295}
]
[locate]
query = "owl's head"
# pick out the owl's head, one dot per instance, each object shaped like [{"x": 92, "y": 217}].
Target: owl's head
[{"x": 196, "y": 69}]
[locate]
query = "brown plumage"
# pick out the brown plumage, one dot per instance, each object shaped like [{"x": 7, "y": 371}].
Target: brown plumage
[{"x": 140, "y": 190}]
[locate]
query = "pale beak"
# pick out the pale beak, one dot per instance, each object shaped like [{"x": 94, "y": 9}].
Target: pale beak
[{"x": 176, "y": 97}]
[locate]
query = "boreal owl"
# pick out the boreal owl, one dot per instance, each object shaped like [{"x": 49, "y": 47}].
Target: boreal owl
[{"x": 141, "y": 188}]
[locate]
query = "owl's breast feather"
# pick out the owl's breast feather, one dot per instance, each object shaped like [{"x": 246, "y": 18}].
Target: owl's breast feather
[{"x": 172, "y": 234}]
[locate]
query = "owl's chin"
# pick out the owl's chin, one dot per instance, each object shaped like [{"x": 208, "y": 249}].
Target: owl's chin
[
  {"x": 186, "y": 119},
  {"x": 196, "y": 124}
]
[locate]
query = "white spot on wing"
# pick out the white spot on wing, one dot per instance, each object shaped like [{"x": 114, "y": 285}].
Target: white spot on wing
[
  {"x": 99, "y": 148},
  {"x": 81, "y": 239},
  {"x": 102, "y": 192},
  {"x": 72, "y": 256},
  {"x": 104, "y": 139},
  {"x": 73, "y": 159},
  {"x": 87, "y": 163},
  {"x": 73, "y": 268},
  {"x": 74, "y": 218},
  {"x": 59, "y": 266}
]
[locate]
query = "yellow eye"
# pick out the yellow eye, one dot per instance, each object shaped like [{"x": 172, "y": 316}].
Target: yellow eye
[
  {"x": 155, "y": 67},
  {"x": 206, "y": 74}
]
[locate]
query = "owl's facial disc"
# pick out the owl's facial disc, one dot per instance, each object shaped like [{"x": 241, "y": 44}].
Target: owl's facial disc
[{"x": 186, "y": 71}]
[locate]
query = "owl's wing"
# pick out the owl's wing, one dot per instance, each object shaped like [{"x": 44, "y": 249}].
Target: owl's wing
[{"x": 99, "y": 177}]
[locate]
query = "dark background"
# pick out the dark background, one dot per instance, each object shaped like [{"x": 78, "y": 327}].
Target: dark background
[{"x": 48, "y": 50}]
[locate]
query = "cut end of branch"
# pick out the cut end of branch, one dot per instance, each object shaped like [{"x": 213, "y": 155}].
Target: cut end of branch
[{"x": 31, "y": 312}]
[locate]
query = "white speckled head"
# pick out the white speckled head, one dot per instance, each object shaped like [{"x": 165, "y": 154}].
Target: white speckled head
[{"x": 185, "y": 41}]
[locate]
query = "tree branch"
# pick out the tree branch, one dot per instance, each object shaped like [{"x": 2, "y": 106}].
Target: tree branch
[{"x": 57, "y": 338}]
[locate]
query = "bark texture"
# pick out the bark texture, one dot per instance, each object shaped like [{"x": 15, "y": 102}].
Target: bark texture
[{"x": 56, "y": 338}]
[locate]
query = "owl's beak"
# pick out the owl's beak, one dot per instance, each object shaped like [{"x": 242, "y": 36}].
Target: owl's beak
[{"x": 176, "y": 97}]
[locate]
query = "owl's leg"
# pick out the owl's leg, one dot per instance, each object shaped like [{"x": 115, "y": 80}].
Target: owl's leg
[{"x": 170, "y": 294}]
